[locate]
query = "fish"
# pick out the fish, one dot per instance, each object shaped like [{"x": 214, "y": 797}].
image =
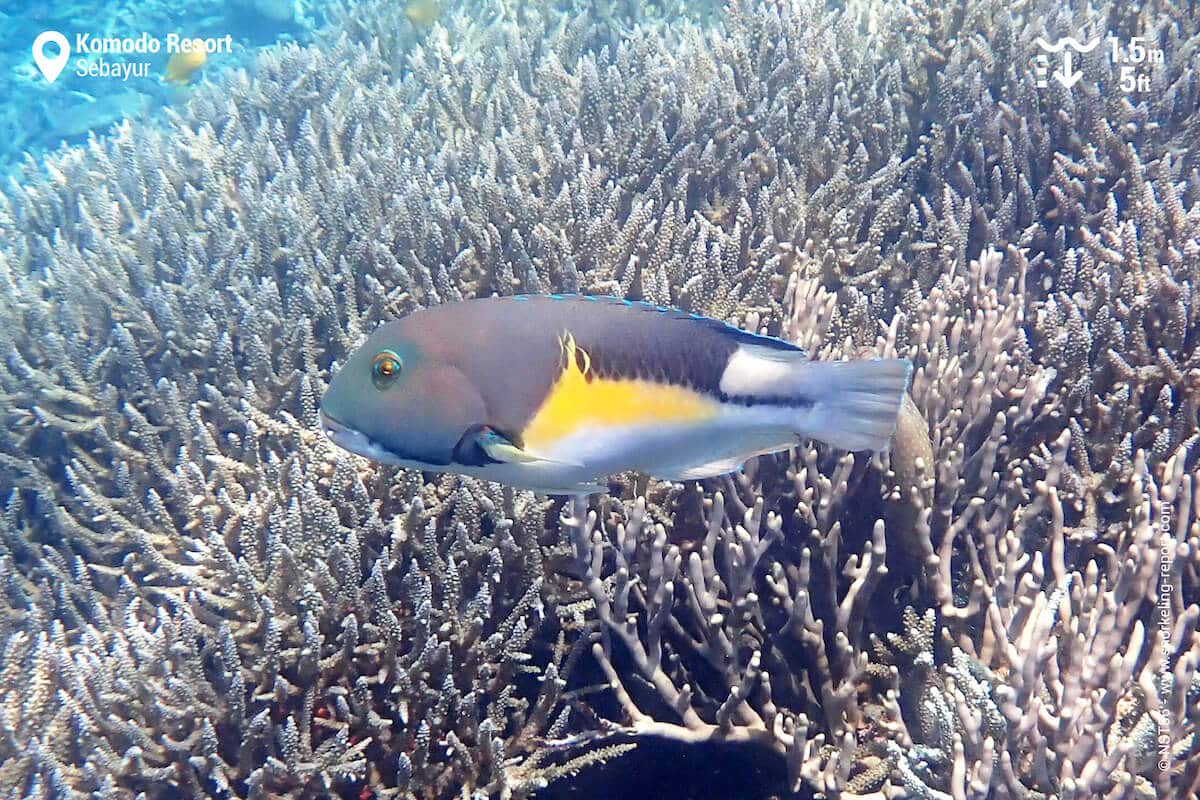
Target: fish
[
  {"x": 422, "y": 13},
  {"x": 554, "y": 393},
  {"x": 183, "y": 64}
]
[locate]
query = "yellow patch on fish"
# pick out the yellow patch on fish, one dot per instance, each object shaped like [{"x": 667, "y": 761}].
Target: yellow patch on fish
[{"x": 579, "y": 399}]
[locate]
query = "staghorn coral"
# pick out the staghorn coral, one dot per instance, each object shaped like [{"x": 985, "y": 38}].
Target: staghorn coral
[
  {"x": 272, "y": 656},
  {"x": 208, "y": 599},
  {"x": 1033, "y": 668}
]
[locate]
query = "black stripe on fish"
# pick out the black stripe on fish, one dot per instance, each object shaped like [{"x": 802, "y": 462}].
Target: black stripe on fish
[
  {"x": 694, "y": 354},
  {"x": 774, "y": 400}
]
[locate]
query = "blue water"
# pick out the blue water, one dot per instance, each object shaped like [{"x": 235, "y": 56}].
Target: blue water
[{"x": 37, "y": 115}]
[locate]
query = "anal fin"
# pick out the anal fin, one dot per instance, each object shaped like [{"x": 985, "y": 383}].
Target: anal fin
[
  {"x": 576, "y": 489},
  {"x": 712, "y": 469}
]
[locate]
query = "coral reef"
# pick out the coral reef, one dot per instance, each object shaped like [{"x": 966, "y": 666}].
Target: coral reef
[
  {"x": 204, "y": 597},
  {"x": 1031, "y": 670}
]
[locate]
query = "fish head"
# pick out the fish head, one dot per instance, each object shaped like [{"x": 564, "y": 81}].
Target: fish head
[{"x": 396, "y": 402}]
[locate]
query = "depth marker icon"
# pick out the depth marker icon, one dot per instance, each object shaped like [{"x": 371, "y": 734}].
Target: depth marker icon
[{"x": 1067, "y": 76}]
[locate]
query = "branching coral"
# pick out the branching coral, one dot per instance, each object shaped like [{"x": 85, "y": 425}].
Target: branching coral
[
  {"x": 202, "y": 596},
  {"x": 1040, "y": 654}
]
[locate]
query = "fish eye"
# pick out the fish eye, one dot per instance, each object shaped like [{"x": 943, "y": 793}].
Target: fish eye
[{"x": 385, "y": 368}]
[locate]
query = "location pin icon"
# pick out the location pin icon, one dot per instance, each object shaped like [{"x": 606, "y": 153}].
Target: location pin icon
[{"x": 51, "y": 66}]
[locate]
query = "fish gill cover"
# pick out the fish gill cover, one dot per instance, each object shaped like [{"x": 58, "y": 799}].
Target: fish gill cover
[{"x": 203, "y": 597}]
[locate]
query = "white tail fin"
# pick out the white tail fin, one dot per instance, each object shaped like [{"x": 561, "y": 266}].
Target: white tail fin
[
  {"x": 849, "y": 404},
  {"x": 855, "y": 403}
]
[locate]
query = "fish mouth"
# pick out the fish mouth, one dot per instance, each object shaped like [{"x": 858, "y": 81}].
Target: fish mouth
[{"x": 356, "y": 441}]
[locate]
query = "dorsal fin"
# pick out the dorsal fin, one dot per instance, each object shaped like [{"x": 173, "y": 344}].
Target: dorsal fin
[{"x": 738, "y": 335}]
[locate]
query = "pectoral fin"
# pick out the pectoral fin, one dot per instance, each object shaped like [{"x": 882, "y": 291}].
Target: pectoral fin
[
  {"x": 482, "y": 444},
  {"x": 499, "y": 448}
]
